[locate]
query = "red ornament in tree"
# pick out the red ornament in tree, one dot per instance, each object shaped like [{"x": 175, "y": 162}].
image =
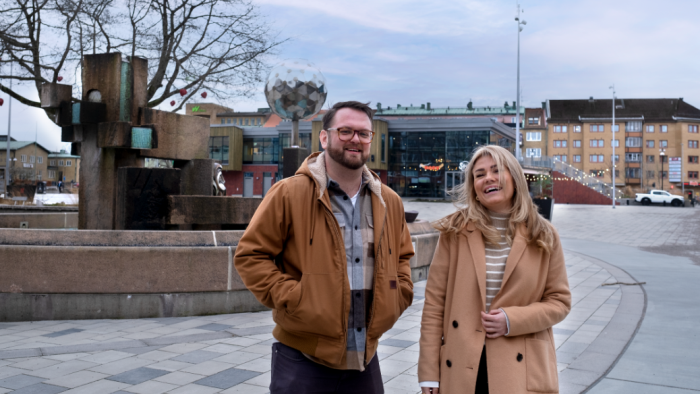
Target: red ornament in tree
[
  {"x": 172, "y": 103},
  {"x": 183, "y": 92},
  {"x": 204, "y": 94},
  {"x": 2, "y": 102},
  {"x": 60, "y": 79}
]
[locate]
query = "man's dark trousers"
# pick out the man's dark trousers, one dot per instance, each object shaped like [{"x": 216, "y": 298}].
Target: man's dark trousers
[{"x": 292, "y": 372}]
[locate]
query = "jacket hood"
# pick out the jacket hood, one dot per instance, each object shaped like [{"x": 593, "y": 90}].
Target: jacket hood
[{"x": 315, "y": 168}]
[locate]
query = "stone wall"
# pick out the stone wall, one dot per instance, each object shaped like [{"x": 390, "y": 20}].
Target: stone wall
[{"x": 55, "y": 274}]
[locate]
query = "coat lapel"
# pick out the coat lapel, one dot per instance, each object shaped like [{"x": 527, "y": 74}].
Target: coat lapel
[
  {"x": 516, "y": 253},
  {"x": 478, "y": 252},
  {"x": 378, "y": 219}
]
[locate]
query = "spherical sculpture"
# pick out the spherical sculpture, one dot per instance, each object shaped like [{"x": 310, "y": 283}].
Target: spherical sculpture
[{"x": 295, "y": 90}]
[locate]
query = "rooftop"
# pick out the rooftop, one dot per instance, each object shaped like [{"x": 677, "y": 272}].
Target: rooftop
[
  {"x": 427, "y": 110},
  {"x": 14, "y": 145},
  {"x": 661, "y": 109}
]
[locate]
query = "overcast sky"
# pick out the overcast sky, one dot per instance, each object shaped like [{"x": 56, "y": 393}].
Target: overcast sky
[{"x": 450, "y": 51}]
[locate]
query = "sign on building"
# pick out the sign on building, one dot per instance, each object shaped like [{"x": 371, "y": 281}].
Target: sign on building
[{"x": 674, "y": 169}]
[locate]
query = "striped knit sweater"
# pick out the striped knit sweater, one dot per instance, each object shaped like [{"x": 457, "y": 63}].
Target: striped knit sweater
[{"x": 496, "y": 256}]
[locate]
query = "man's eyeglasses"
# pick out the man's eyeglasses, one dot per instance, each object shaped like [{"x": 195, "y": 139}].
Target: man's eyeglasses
[{"x": 346, "y": 134}]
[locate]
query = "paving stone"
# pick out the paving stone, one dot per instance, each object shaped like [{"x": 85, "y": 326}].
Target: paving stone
[
  {"x": 179, "y": 378},
  {"x": 214, "y": 327},
  {"x": 138, "y": 375},
  {"x": 243, "y": 332},
  {"x": 196, "y": 357},
  {"x": 397, "y": 343},
  {"x": 195, "y": 389},
  {"x": 40, "y": 388},
  {"x": 19, "y": 381},
  {"x": 152, "y": 387},
  {"x": 62, "y": 333},
  {"x": 77, "y": 379},
  {"x": 227, "y": 378}
]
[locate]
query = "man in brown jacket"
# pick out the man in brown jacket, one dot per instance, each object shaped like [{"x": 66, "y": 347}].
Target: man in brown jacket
[{"x": 328, "y": 251}]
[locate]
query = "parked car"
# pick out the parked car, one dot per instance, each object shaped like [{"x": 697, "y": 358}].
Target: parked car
[{"x": 659, "y": 197}]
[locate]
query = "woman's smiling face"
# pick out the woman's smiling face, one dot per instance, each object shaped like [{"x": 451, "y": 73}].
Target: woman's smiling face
[{"x": 497, "y": 197}]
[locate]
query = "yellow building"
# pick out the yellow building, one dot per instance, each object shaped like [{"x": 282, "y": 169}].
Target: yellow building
[
  {"x": 647, "y": 132},
  {"x": 63, "y": 167},
  {"x": 28, "y": 161}
]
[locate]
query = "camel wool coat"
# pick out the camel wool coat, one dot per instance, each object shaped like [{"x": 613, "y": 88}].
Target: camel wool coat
[{"x": 534, "y": 295}]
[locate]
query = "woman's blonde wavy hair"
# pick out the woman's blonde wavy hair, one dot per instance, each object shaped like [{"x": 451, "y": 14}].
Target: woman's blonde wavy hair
[{"x": 538, "y": 230}]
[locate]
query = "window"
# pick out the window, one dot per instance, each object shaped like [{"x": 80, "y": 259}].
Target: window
[
  {"x": 533, "y": 152},
  {"x": 633, "y": 127},
  {"x": 32, "y": 159},
  {"x": 577, "y": 158},
  {"x": 633, "y": 157},
  {"x": 38, "y": 174},
  {"x": 577, "y": 129},
  {"x": 40, "y": 159},
  {"x": 692, "y": 144},
  {"x": 52, "y": 174},
  {"x": 650, "y": 143},
  {"x": 650, "y": 128},
  {"x": 564, "y": 158},
  {"x": 692, "y": 128},
  {"x": 650, "y": 158},
  {"x": 598, "y": 173},
  {"x": 616, "y": 128},
  {"x": 616, "y": 143},
  {"x": 693, "y": 159},
  {"x": 633, "y": 142},
  {"x": 535, "y": 121},
  {"x": 263, "y": 150},
  {"x": 52, "y": 162},
  {"x": 69, "y": 163},
  {"x": 616, "y": 157},
  {"x": 60, "y": 163},
  {"x": 577, "y": 143},
  {"x": 664, "y": 128},
  {"x": 23, "y": 158},
  {"x": 597, "y": 128},
  {"x": 597, "y": 144},
  {"x": 533, "y": 136},
  {"x": 223, "y": 121},
  {"x": 560, "y": 158},
  {"x": 218, "y": 149},
  {"x": 692, "y": 175},
  {"x": 664, "y": 174},
  {"x": 383, "y": 148},
  {"x": 560, "y": 129},
  {"x": 596, "y": 158},
  {"x": 560, "y": 143},
  {"x": 651, "y": 174},
  {"x": 633, "y": 173},
  {"x": 663, "y": 144}
]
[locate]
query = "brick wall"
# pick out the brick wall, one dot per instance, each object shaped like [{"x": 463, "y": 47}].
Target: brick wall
[{"x": 570, "y": 191}]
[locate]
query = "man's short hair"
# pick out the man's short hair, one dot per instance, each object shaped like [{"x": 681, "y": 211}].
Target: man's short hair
[{"x": 328, "y": 116}]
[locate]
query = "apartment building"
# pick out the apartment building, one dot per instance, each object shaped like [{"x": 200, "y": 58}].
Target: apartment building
[
  {"x": 28, "y": 161},
  {"x": 63, "y": 167},
  {"x": 648, "y": 134}
]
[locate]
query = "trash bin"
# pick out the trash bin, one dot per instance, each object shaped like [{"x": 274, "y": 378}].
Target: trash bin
[{"x": 41, "y": 187}]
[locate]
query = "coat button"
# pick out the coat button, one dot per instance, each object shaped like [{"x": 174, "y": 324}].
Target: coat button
[
  {"x": 455, "y": 324},
  {"x": 520, "y": 357},
  {"x": 449, "y": 363}
]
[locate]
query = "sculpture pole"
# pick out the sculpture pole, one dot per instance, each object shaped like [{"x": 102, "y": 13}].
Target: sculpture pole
[{"x": 294, "y": 143}]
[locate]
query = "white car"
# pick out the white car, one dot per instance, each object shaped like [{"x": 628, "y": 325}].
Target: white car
[{"x": 659, "y": 197}]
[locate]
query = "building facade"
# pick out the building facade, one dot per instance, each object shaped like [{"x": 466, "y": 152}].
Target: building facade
[
  {"x": 648, "y": 135},
  {"x": 63, "y": 167},
  {"x": 28, "y": 161}
]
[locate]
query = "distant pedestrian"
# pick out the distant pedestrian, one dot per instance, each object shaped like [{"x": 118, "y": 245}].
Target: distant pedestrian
[
  {"x": 60, "y": 187},
  {"x": 496, "y": 287},
  {"x": 328, "y": 250}
]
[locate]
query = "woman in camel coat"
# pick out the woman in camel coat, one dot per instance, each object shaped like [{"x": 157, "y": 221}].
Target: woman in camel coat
[{"x": 497, "y": 285}]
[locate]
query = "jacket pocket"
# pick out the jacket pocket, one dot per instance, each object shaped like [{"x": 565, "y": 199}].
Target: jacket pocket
[
  {"x": 387, "y": 309},
  {"x": 320, "y": 307},
  {"x": 541, "y": 364}
]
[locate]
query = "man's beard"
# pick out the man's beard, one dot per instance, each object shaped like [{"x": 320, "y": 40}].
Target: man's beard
[{"x": 338, "y": 155}]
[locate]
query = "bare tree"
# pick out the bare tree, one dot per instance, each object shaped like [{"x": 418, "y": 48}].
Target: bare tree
[{"x": 220, "y": 46}]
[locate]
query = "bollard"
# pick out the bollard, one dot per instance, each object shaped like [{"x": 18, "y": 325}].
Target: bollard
[{"x": 628, "y": 202}]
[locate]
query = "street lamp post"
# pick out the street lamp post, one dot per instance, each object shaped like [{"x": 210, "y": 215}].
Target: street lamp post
[
  {"x": 518, "y": 153},
  {"x": 9, "y": 124},
  {"x": 614, "y": 165},
  {"x": 662, "y": 153}
]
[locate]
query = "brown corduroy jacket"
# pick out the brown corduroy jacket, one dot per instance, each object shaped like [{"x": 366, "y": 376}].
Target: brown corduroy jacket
[
  {"x": 292, "y": 258},
  {"x": 534, "y": 295}
]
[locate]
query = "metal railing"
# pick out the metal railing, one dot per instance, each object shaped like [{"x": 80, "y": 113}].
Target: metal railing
[{"x": 571, "y": 172}]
